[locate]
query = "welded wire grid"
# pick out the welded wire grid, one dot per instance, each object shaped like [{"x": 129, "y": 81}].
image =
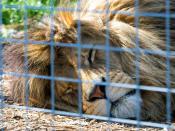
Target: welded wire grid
[{"x": 79, "y": 46}]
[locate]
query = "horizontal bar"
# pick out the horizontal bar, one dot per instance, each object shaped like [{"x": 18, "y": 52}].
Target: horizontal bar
[
  {"x": 87, "y": 46},
  {"x": 149, "y": 14},
  {"x": 131, "y": 86}
]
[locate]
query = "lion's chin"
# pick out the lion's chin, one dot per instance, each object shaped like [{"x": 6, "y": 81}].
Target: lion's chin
[{"x": 125, "y": 106}]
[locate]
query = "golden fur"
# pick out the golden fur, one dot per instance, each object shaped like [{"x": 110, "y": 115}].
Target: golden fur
[{"x": 122, "y": 33}]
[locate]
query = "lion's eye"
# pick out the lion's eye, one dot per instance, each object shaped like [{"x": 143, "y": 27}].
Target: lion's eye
[
  {"x": 91, "y": 56},
  {"x": 133, "y": 77},
  {"x": 69, "y": 90}
]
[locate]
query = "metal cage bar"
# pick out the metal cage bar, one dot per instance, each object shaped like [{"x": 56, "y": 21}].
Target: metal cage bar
[{"x": 1, "y": 72}]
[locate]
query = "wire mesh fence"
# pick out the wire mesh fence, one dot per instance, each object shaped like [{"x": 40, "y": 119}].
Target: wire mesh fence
[{"x": 79, "y": 47}]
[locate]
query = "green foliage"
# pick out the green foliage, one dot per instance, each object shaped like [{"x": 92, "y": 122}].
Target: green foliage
[
  {"x": 16, "y": 15},
  {"x": 12, "y": 16}
]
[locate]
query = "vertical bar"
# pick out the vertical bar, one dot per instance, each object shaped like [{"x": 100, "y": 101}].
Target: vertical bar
[
  {"x": 79, "y": 64},
  {"x": 1, "y": 88},
  {"x": 137, "y": 62},
  {"x": 26, "y": 61},
  {"x": 52, "y": 66},
  {"x": 107, "y": 51},
  {"x": 168, "y": 98}
]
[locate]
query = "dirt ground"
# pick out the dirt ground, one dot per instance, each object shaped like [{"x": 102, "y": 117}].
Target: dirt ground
[{"x": 15, "y": 120}]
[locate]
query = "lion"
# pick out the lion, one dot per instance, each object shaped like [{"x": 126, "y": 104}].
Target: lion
[{"x": 100, "y": 24}]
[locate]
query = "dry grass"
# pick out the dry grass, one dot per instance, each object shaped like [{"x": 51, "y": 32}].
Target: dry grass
[{"x": 15, "y": 119}]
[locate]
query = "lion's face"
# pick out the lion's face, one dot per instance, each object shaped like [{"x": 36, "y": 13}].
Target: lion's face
[
  {"x": 122, "y": 101},
  {"x": 95, "y": 74},
  {"x": 93, "y": 70}
]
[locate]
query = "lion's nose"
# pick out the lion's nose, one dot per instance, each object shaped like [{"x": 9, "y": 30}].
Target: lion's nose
[{"x": 97, "y": 93}]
